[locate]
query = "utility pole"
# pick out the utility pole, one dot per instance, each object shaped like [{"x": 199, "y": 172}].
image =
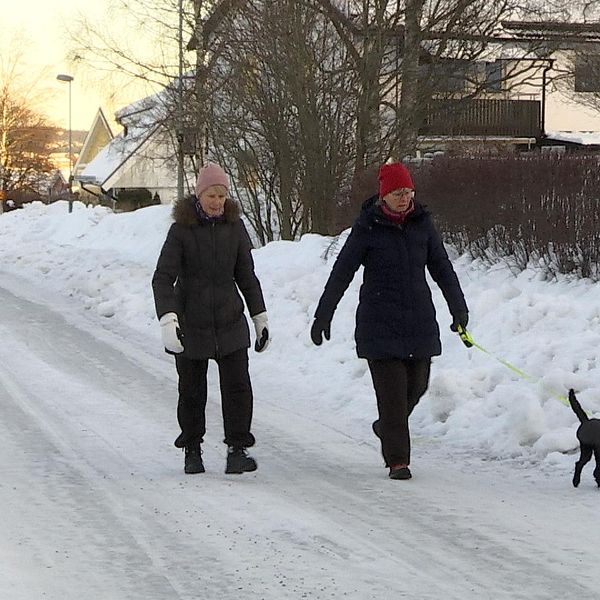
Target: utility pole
[{"x": 179, "y": 125}]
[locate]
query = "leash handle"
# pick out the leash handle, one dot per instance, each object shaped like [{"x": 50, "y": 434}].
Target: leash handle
[{"x": 465, "y": 336}]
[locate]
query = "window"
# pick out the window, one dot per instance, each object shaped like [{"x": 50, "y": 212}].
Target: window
[
  {"x": 448, "y": 76},
  {"x": 494, "y": 75},
  {"x": 587, "y": 73}
]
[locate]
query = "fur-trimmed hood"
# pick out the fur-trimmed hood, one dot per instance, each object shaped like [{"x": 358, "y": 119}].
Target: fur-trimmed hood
[{"x": 184, "y": 211}]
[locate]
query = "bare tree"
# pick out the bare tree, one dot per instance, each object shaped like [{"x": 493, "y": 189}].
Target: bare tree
[
  {"x": 363, "y": 29},
  {"x": 26, "y": 136},
  {"x": 406, "y": 53},
  {"x": 112, "y": 51},
  {"x": 283, "y": 94},
  {"x": 297, "y": 111}
]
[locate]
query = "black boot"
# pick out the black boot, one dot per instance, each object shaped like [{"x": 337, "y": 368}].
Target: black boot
[
  {"x": 193, "y": 459},
  {"x": 238, "y": 461},
  {"x": 400, "y": 472}
]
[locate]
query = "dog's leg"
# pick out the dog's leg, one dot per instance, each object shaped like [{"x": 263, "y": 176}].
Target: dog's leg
[
  {"x": 597, "y": 469},
  {"x": 585, "y": 457}
]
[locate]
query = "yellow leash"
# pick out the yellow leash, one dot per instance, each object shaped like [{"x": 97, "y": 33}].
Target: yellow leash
[{"x": 468, "y": 341}]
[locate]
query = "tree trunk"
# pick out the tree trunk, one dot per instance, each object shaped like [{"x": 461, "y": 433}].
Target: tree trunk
[
  {"x": 409, "y": 114},
  {"x": 200, "y": 83},
  {"x": 286, "y": 193}
]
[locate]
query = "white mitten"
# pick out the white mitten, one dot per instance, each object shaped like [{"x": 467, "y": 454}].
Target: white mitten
[
  {"x": 261, "y": 325},
  {"x": 169, "y": 331}
]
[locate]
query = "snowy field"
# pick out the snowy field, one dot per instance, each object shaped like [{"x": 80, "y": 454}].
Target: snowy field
[{"x": 94, "y": 498}]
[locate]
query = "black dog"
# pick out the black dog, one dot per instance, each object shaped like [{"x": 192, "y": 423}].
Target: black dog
[{"x": 588, "y": 435}]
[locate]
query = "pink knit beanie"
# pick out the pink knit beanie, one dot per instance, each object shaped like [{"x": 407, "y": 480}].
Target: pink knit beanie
[{"x": 210, "y": 174}]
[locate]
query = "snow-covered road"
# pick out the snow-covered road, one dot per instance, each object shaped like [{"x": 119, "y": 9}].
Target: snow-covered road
[{"x": 95, "y": 503}]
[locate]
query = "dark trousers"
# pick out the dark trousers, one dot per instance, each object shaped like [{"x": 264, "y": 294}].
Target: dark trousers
[
  {"x": 236, "y": 398},
  {"x": 399, "y": 384}
]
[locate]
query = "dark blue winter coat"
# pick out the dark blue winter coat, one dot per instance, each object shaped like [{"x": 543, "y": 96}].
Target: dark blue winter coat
[{"x": 395, "y": 316}]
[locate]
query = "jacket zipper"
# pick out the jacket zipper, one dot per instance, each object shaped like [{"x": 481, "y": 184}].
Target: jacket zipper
[{"x": 212, "y": 288}]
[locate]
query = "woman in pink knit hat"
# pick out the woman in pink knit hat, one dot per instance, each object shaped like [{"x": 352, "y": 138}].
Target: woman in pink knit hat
[{"x": 204, "y": 269}]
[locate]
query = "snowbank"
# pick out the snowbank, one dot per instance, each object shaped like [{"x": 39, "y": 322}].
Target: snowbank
[{"x": 550, "y": 330}]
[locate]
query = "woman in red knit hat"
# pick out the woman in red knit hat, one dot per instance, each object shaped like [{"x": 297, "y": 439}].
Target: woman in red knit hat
[
  {"x": 204, "y": 264},
  {"x": 394, "y": 238}
]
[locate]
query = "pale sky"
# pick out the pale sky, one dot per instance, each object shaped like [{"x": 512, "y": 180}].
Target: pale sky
[{"x": 42, "y": 25}]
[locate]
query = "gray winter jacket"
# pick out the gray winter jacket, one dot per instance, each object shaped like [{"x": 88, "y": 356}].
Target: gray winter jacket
[{"x": 203, "y": 265}]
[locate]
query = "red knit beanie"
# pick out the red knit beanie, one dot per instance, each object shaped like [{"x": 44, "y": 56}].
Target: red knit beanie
[
  {"x": 210, "y": 174},
  {"x": 393, "y": 176}
]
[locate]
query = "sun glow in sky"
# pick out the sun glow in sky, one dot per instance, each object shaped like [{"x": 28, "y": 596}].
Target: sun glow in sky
[{"x": 37, "y": 30}]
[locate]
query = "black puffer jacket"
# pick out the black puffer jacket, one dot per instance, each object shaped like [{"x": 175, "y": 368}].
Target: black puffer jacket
[
  {"x": 395, "y": 316},
  {"x": 202, "y": 265}
]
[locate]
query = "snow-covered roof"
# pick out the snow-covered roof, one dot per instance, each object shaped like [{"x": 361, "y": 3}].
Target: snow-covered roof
[
  {"x": 113, "y": 156},
  {"x": 98, "y": 135},
  {"x": 585, "y": 138},
  {"x": 140, "y": 120}
]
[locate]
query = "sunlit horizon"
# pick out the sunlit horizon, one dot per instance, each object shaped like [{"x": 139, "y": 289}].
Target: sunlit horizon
[{"x": 36, "y": 31}]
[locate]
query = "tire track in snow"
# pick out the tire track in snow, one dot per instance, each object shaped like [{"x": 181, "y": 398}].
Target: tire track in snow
[{"x": 91, "y": 421}]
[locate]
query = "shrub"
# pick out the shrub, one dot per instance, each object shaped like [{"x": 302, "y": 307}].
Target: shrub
[{"x": 527, "y": 209}]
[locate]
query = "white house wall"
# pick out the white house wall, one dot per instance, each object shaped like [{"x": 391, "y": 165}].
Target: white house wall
[
  {"x": 564, "y": 108},
  {"x": 565, "y": 112},
  {"x": 153, "y": 167},
  {"x": 565, "y": 115}
]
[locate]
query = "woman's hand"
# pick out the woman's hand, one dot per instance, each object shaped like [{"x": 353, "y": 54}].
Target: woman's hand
[
  {"x": 261, "y": 326},
  {"x": 170, "y": 333},
  {"x": 319, "y": 329}
]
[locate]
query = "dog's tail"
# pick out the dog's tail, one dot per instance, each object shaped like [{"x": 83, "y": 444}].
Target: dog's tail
[{"x": 581, "y": 414}]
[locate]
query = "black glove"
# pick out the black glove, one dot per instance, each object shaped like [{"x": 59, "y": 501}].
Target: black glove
[
  {"x": 320, "y": 328},
  {"x": 459, "y": 319}
]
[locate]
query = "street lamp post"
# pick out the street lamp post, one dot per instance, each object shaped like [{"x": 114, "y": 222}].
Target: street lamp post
[{"x": 69, "y": 79}]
